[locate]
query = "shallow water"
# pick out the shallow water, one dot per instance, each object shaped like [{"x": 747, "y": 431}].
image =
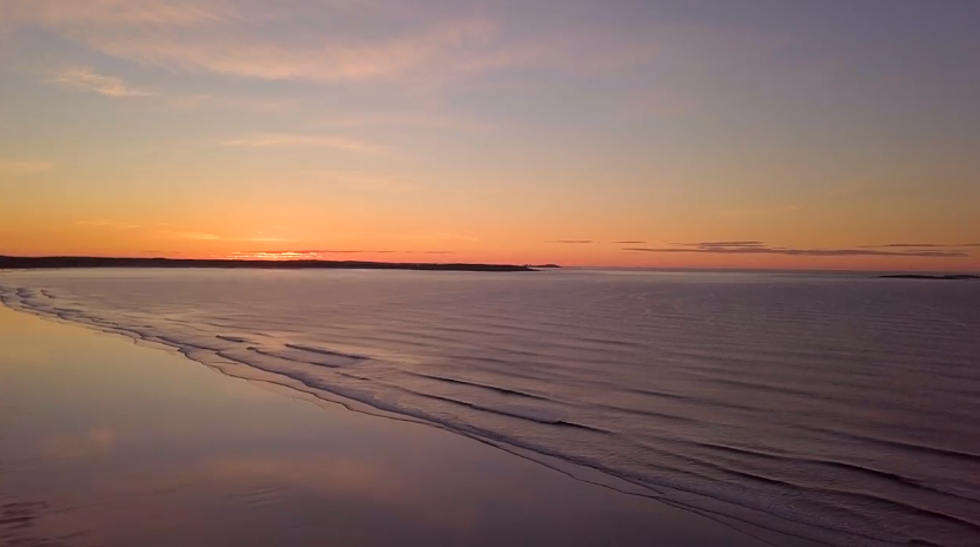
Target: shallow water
[
  {"x": 106, "y": 444},
  {"x": 839, "y": 408}
]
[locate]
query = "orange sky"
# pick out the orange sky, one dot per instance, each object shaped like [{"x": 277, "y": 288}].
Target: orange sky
[{"x": 494, "y": 131}]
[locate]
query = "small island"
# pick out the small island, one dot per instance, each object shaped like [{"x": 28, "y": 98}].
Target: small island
[
  {"x": 951, "y": 277},
  {"x": 58, "y": 262}
]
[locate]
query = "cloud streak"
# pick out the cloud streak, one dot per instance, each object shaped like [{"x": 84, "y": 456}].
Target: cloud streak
[
  {"x": 207, "y": 236},
  {"x": 389, "y": 40},
  {"x": 403, "y": 119},
  {"x": 921, "y": 246},
  {"x": 319, "y": 58},
  {"x": 362, "y": 179},
  {"x": 724, "y": 244},
  {"x": 114, "y": 224},
  {"x": 269, "y": 140},
  {"x": 245, "y": 104},
  {"x": 195, "y": 236},
  {"x": 71, "y": 13},
  {"x": 11, "y": 168},
  {"x": 316, "y": 254},
  {"x": 86, "y": 79},
  {"x": 758, "y": 248}
]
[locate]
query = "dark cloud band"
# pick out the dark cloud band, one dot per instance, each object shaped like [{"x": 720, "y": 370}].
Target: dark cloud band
[{"x": 758, "y": 248}]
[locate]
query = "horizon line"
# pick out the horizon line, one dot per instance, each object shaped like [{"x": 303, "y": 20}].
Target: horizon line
[{"x": 423, "y": 265}]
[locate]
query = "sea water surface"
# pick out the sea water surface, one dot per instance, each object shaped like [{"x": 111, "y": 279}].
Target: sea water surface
[{"x": 839, "y": 408}]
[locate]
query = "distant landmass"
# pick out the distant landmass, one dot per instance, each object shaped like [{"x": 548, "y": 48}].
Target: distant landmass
[
  {"x": 543, "y": 266},
  {"x": 924, "y": 276},
  {"x": 50, "y": 262}
]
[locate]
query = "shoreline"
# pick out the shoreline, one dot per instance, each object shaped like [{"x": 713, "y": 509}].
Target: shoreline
[
  {"x": 601, "y": 482},
  {"x": 72, "y": 262}
]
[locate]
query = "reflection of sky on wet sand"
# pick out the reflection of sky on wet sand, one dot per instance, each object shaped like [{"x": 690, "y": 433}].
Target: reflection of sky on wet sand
[{"x": 109, "y": 443}]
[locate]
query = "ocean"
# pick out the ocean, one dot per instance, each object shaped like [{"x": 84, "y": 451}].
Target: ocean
[{"x": 840, "y": 408}]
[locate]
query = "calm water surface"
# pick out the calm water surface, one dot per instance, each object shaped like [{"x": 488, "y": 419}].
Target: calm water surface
[{"x": 839, "y": 408}]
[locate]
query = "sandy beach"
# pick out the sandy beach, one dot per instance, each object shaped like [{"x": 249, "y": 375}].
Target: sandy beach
[{"x": 104, "y": 442}]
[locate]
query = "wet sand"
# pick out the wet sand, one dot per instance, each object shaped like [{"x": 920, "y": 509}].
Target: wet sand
[{"x": 104, "y": 442}]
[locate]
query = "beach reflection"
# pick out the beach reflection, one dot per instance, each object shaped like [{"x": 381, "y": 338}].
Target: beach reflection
[{"x": 104, "y": 442}]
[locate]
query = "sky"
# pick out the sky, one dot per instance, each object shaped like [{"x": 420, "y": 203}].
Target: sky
[{"x": 790, "y": 134}]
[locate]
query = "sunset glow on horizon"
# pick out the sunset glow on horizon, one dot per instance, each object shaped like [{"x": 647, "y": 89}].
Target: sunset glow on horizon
[{"x": 628, "y": 133}]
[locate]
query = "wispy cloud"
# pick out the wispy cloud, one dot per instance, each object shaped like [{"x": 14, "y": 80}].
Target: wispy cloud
[
  {"x": 103, "y": 223},
  {"x": 196, "y": 236},
  {"x": 317, "y": 58},
  {"x": 71, "y": 13},
  {"x": 758, "y": 248},
  {"x": 12, "y": 168},
  {"x": 258, "y": 237},
  {"x": 361, "y": 179},
  {"x": 246, "y": 104},
  {"x": 711, "y": 244},
  {"x": 921, "y": 246},
  {"x": 761, "y": 211},
  {"x": 447, "y": 236},
  {"x": 86, "y": 79},
  {"x": 159, "y": 231},
  {"x": 265, "y": 140},
  {"x": 316, "y": 251},
  {"x": 240, "y": 37},
  {"x": 330, "y": 254},
  {"x": 629, "y": 242},
  {"x": 317, "y": 254},
  {"x": 407, "y": 118},
  {"x": 391, "y": 40}
]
